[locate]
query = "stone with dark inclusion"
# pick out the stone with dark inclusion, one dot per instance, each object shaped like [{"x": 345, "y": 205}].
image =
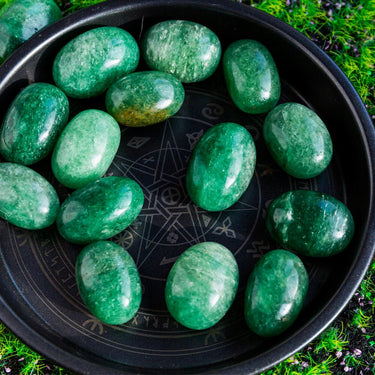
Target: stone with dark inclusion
[
  {"x": 310, "y": 223},
  {"x": 108, "y": 282},
  {"x": 275, "y": 292},
  {"x": 202, "y": 285}
]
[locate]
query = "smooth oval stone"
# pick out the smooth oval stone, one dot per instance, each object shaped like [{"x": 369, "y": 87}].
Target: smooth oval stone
[
  {"x": 108, "y": 282},
  {"x": 202, "y": 285},
  {"x": 298, "y": 140},
  {"x": 86, "y": 148},
  {"x": 100, "y": 209},
  {"x": 21, "y": 19},
  {"x": 145, "y": 98},
  {"x": 310, "y": 223},
  {"x": 33, "y": 123},
  {"x": 221, "y": 166},
  {"x": 251, "y": 76},
  {"x": 92, "y": 61},
  {"x": 188, "y": 50},
  {"x": 27, "y": 199},
  {"x": 275, "y": 292}
]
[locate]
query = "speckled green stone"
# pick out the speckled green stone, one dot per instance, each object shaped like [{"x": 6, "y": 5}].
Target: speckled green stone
[
  {"x": 251, "y": 75},
  {"x": 275, "y": 292},
  {"x": 310, "y": 223},
  {"x": 100, "y": 209},
  {"x": 145, "y": 98},
  {"x": 221, "y": 166},
  {"x": 108, "y": 282},
  {"x": 27, "y": 199},
  {"x": 188, "y": 50},
  {"x": 33, "y": 123},
  {"x": 298, "y": 140},
  {"x": 21, "y": 19},
  {"x": 202, "y": 285},
  {"x": 86, "y": 148},
  {"x": 92, "y": 61}
]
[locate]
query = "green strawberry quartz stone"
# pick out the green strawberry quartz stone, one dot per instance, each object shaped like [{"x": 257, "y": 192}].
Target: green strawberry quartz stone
[
  {"x": 298, "y": 140},
  {"x": 33, "y": 123},
  {"x": 251, "y": 76},
  {"x": 188, "y": 50},
  {"x": 310, "y": 223},
  {"x": 145, "y": 98},
  {"x": 27, "y": 199},
  {"x": 202, "y": 285},
  {"x": 275, "y": 292},
  {"x": 92, "y": 61},
  {"x": 100, "y": 210},
  {"x": 21, "y": 19},
  {"x": 86, "y": 148},
  {"x": 108, "y": 282},
  {"x": 221, "y": 166}
]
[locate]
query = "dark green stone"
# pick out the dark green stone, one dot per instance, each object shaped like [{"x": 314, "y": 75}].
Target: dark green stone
[
  {"x": 275, "y": 292},
  {"x": 221, "y": 166},
  {"x": 202, "y": 285},
  {"x": 298, "y": 140},
  {"x": 145, "y": 98},
  {"x": 251, "y": 76},
  {"x": 310, "y": 223},
  {"x": 92, "y": 61},
  {"x": 27, "y": 199},
  {"x": 33, "y": 123},
  {"x": 100, "y": 209},
  {"x": 108, "y": 281},
  {"x": 188, "y": 50},
  {"x": 86, "y": 148}
]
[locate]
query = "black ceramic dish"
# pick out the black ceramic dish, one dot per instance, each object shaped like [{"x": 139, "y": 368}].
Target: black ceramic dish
[{"x": 38, "y": 295}]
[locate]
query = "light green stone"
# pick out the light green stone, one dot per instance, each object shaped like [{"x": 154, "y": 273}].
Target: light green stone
[
  {"x": 202, "y": 285},
  {"x": 108, "y": 281},
  {"x": 188, "y": 50},
  {"x": 27, "y": 199},
  {"x": 92, "y": 61},
  {"x": 251, "y": 75},
  {"x": 86, "y": 148},
  {"x": 221, "y": 166}
]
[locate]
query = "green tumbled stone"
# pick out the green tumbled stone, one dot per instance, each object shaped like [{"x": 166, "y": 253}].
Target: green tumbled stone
[
  {"x": 21, "y": 19},
  {"x": 275, "y": 292},
  {"x": 310, "y": 223},
  {"x": 188, "y": 50},
  {"x": 108, "y": 282},
  {"x": 202, "y": 285},
  {"x": 221, "y": 166},
  {"x": 33, "y": 123},
  {"x": 145, "y": 98},
  {"x": 86, "y": 148},
  {"x": 27, "y": 199},
  {"x": 100, "y": 209},
  {"x": 251, "y": 76},
  {"x": 298, "y": 140},
  {"x": 92, "y": 61}
]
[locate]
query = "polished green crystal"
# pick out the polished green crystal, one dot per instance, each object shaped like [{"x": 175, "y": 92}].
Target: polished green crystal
[
  {"x": 310, "y": 223},
  {"x": 92, "y": 61},
  {"x": 202, "y": 285},
  {"x": 27, "y": 199},
  {"x": 108, "y": 282},
  {"x": 298, "y": 140},
  {"x": 251, "y": 76},
  {"x": 86, "y": 148},
  {"x": 188, "y": 50},
  {"x": 221, "y": 166},
  {"x": 145, "y": 98},
  {"x": 275, "y": 292}
]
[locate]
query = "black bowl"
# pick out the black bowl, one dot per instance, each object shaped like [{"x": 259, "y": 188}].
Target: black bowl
[{"x": 39, "y": 297}]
